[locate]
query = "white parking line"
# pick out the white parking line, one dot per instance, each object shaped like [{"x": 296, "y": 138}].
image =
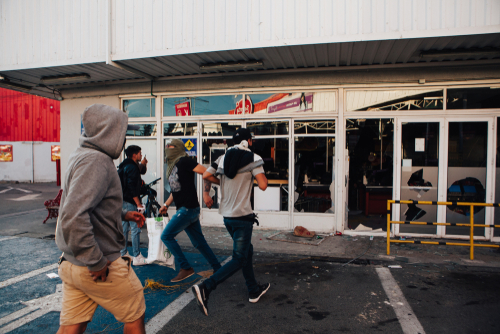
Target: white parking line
[
  {"x": 5, "y": 190},
  {"x": 26, "y": 276},
  {"x": 40, "y": 306},
  {"x": 159, "y": 321},
  {"x": 403, "y": 310},
  {"x": 25, "y": 197},
  {"x": 21, "y": 213},
  {"x": 29, "y": 191},
  {"x": 7, "y": 238},
  {"x": 10, "y": 188}
]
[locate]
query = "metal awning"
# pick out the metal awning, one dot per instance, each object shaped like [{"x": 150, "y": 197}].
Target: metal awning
[{"x": 471, "y": 49}]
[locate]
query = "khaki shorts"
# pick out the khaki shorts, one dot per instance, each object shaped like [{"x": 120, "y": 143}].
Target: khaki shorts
[{"x": 122, "y": 293}]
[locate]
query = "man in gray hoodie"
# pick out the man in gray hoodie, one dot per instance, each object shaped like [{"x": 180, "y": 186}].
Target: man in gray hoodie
[{"x": 89, "y": 229}]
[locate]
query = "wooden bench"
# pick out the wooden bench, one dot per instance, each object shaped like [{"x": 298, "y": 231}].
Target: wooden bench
[{"x": 52, "y": 205}]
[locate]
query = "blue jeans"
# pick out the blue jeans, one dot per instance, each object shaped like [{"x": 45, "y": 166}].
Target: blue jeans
[
  {"x": 187, "y": 220},
  {"x": 136, "y": 232},
  {"x": 241, "y": 232}
]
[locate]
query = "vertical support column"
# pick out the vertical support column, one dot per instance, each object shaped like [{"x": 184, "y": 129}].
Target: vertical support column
[
  {"x": 389, "y": 205},
  {"x": 472, "y": 232},
  {"x": 159, "y": 148},
  {"x": 291, "y": 180},
  {"x": 32, "y": 159},
  {"x": 58, "y": 172},
  {"x": 340, "y": 146},
  {"x": 489, "y": 217}
]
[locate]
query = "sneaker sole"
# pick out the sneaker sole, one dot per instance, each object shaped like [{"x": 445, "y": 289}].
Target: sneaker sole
[
  {"x": 173, "y": 280},
  {"x": 255, "y": 300},
  {"x": 197, "y": 294},
  {"x": 139, "y": 264}
]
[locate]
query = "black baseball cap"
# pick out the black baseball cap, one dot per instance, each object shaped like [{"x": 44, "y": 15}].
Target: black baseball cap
[{"x": 242, "y": 134}]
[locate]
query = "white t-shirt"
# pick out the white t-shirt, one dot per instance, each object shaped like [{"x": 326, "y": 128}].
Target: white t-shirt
[{"x": 236, "y": 192}]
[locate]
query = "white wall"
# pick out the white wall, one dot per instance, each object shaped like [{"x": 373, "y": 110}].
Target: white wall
[
  {"x": 168, "y": 27},
  {"x": 20, "y": 169},
  {"x": 71, "y": 111},
  {"x": 42, "y": 33}
]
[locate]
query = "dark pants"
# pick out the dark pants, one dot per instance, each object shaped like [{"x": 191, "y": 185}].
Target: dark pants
[
  {"x": 241, "y": 232},
  {"x": 187, "y": 220}
]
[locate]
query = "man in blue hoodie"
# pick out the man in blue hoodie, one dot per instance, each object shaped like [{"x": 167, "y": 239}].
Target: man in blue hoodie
[{"x": 89, "y": 229}]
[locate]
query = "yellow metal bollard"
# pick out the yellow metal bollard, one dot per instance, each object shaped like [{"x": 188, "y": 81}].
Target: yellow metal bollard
[
  {"x": 388, "y": 228},
  {"x": 472, "y": 232}
]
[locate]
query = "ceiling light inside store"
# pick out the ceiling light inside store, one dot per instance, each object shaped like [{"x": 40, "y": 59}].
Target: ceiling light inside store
[
  {"x": 433, "y": 98},
  {"x": 459, "y": 53},
  {"x": 240, "y": 65},
  {"x": 65, "y": 78}
]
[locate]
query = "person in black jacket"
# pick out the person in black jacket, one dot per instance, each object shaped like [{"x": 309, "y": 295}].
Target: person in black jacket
[
  {"x": 180, "y": 173},
  {"x": 130, "y": 176}
]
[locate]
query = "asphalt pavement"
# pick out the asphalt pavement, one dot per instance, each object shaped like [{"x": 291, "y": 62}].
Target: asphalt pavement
[
  {"x": 324, "y": 297},
  {"x": 432, "y": 289}
]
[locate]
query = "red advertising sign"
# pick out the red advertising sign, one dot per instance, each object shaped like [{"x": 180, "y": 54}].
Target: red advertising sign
[
  {"x": 248, "y": 107},
  {"x": 6, "y": 153},
  {"x": 183, "y": 109},
  {"x": 55, "y": 152}
]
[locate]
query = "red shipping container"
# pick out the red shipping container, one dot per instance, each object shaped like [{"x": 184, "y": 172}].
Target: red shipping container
[{"x": 25, "y": 117}]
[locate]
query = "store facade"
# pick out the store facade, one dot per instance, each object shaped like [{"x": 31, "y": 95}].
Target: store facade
[
  {"x": 296, "y": 141},
  {"x": 334, "y": 155},
  {"x": 351, "y": 103}
]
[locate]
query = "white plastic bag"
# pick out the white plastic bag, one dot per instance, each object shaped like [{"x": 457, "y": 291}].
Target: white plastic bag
[{"x": 157, "y": 250}]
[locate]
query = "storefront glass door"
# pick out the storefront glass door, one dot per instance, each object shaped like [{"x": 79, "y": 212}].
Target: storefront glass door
[
  {"x": 419, "y": 180},
  {"x": 313, "y": 182},
  {"x": 188, "y": 133},
  {"x": 146, "y": 138},
  {"x": 467, "y": 174},
  {"x": 272, "y": 142},
  {"x": 370, "y": 144},
  {"x": 216, "y": 138},
  {"x": 496, "y": 231}
]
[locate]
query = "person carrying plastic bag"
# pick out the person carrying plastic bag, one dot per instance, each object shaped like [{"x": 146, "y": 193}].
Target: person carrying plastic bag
[{"x": 180, "y": 174}]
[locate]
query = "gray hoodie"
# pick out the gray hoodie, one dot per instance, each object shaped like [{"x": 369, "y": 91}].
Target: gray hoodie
[{"x": 89, "y": 229}]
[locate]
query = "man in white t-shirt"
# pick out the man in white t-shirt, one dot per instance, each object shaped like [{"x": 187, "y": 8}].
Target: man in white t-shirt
[{"x": 237, "y": 169}]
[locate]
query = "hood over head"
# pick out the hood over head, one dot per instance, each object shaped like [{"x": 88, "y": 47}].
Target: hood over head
[
  {"x": 173, "y": 155},
  {"x": 104, "y": 129}
]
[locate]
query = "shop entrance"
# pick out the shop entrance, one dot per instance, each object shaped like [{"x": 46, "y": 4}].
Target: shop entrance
[
  {"x": 313, "y": 181},
  {"x": 370, "y": 144},
  {"x": 271, "y": 142},
  {"x": 418, "y": 175},
  {"x": 299, "y": 162},
  {"x": 443, "y": 159},
  {"x": 469, "y": 145}
]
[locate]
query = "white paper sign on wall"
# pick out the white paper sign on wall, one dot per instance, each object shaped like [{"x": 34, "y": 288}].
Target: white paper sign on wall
[{"x": 419, "y": 144}]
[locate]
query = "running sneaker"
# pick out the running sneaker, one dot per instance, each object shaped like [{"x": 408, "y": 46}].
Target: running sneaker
[
  {"x": 201, "y": 293},
  {"x": 255, "y": 296},
  {"x": 139, "y": 260}
]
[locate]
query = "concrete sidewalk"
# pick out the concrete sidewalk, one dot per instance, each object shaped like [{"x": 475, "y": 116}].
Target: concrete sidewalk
[
  {"x": 336, "y": 248},
  {"x": 345, "y": 248}
]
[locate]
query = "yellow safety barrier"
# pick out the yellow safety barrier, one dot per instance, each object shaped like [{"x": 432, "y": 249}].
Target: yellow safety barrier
[{"x": 471, "y": 243}]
